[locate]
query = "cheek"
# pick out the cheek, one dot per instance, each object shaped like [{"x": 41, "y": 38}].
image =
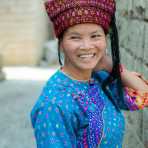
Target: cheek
[
  {"x": 102, "y": 46},
  {"x": 69, "y": 48},
  {"x": 68, "y": 51}
]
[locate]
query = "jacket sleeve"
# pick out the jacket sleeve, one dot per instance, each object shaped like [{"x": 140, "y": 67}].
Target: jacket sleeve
[
  {"x": 136, "y": 99},
  {"x": 133, "y": 99},
  {"x": 52, "y": 127}
]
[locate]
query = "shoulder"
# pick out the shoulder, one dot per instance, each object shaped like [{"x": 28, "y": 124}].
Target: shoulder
[
  {"x": 101, "y": 74},
  {"x": 54, "y": 98},
  {"x": 52, "y": 105}
]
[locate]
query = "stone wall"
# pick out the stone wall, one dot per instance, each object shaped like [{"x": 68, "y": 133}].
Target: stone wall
[
  {"x": 133, "y": 29},
  {"x": 132, "y": 20},
  {"x": 24, "y": 29}
]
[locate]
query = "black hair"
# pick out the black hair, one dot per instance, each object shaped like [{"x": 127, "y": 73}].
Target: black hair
[
  {"x": 59, "y": 53},
  {"x": 115, "y": 74}
]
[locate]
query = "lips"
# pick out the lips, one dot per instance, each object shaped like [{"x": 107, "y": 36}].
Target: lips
[{"x": 88, "y": 55}]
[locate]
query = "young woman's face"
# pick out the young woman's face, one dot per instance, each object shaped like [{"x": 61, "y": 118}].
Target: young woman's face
[{"x": 83, "y": 46}]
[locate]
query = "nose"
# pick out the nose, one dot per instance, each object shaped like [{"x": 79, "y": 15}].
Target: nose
[{"x": 86, "y": 44}]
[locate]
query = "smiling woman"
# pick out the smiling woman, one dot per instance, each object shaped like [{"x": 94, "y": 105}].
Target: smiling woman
[
  {"x": 80, "y": 106},
  {"x": 83, "y": 46}
]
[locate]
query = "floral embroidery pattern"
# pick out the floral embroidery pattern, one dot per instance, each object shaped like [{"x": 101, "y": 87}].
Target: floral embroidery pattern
[{"x": 140, "y": 99}]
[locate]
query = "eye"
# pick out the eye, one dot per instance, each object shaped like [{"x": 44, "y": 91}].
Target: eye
[
  {"x": 96, "y": 36},
  {"x": 75, "y": 37}
]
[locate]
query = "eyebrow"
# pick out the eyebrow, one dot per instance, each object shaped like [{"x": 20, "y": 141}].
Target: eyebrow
[
  {"x": 97, "y": 31},
  {"x": 73, "y": 33},
  {"x": 76, "y": 33}
]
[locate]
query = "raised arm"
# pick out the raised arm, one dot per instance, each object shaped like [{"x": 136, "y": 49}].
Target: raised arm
[
  {"x": 135, "y": 86},
  {"x": 134, "y": 80}
]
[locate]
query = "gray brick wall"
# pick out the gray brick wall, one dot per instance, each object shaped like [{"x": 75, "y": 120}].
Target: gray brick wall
[{"x": 132, "y": 20}]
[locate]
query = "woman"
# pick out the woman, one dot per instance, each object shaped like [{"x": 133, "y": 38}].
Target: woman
[{"x": 80, "y": 106}]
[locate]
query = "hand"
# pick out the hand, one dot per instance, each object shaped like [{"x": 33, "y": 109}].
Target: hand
[{"x": 134, "y": 80}]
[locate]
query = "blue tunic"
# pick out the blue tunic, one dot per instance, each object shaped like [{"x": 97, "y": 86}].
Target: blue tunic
[{"x": 76, "y": 114}]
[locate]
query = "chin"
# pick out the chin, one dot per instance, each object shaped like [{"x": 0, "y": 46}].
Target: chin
[{"x": 87, "y": 67}]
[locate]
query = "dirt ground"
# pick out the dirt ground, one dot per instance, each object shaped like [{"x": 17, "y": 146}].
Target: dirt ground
[{"x": 17, "y": 95}]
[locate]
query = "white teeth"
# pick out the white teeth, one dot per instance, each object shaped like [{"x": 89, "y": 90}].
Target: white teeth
[{"x": 86, "y": 56}]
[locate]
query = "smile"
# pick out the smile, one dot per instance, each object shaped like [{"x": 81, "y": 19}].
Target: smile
[{"x": 90, "y": 55}]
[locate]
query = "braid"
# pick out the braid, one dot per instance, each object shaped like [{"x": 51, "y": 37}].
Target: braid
[
  {"x": 115, "y": 50},
  {"x": 115, "y": 74}
]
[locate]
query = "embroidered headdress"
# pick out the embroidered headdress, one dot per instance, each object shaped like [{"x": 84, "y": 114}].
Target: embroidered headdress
[{"x": 66, "y": 13}]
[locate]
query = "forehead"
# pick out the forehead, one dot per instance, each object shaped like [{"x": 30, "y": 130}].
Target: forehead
[{"x": 85, "y": 29}]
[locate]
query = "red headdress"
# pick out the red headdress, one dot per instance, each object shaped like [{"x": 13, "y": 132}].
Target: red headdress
[{"x": 66, "y": 13}]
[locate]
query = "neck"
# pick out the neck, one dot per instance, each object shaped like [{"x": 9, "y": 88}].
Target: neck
[{"x": 77, "y": 74}]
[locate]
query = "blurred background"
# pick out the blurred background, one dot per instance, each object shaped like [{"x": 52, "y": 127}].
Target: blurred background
[{"x": 28, "y": 57}]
